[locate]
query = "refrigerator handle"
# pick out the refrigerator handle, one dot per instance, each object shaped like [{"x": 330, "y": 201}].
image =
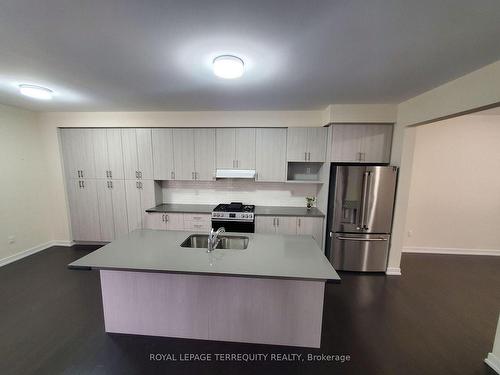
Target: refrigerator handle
[
  {"x": 364, "y": 192},
  {"x": 366, "y": 199},
  {"x": 360, "y": 239}
]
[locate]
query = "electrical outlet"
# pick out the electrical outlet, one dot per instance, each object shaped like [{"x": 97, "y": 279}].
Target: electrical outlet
[
  {"x": 11, "y": 239},
  {"x": 410, "y": 233}
]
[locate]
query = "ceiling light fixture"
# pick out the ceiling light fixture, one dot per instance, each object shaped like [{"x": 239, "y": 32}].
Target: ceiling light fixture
[
  {"x": 36, "y": 92},
  {"x": 228, "y": 67}
]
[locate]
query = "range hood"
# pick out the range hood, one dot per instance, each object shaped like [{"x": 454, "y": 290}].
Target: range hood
[{"x": 235, "y": 173}]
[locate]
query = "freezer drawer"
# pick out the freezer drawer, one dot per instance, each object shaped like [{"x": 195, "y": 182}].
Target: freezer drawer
[{"x": 359, "y": 252}]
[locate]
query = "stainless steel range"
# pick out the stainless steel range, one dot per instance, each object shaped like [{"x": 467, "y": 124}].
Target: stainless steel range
[{"x": 234, "y": 217}]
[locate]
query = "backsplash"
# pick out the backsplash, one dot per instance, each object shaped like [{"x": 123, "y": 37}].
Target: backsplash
[{"x": 225, "y": 191}]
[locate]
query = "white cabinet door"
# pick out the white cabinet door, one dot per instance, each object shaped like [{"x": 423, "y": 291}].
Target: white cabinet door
[
  {"x": 286, "y": 224},
  {"x": 84, "y": 210},
  {"x": 245, "y": 148},
  {"x": 316, "y": 144},
  {"x": 106, "y": 217},
  {"x": 69, "y": 151},
  {"x": 346, "y": 143},
  {"x": 296, "y": 144},
  {"x": 134, "y": 209},
  {"x": 175, "y": 221},
  {"x": 101, "y": 159},
  {"x": 204, "y": 149},
  {"x": 376, "y": 143},
  {"x": 108, "y": 153},
  {"x": 155, "y": 220},
  {"x": 130, "y": 163},
  {"x": 78, "y": 153},
  {"x": 119, "y": 207},
  {"x": 115, "y": 154},
  {"x": 144, "y": 153},
  {"x": 184, "y": 154},
  {"x": 311, "y": 226},
  {"x": 225, "y": 139},
  {"x": 265, "y": 224},
  {"x": 163, "y": 154},
  {"x": 137, "y": 153},
  {"x": 270, "y": 158}
]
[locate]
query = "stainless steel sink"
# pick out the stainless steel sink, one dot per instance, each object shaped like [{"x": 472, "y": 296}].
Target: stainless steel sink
[{"x": 225, "y": 242}]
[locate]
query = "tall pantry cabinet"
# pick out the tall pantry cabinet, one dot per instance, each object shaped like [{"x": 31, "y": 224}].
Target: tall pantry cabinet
[{"x": 109, "y": 180}]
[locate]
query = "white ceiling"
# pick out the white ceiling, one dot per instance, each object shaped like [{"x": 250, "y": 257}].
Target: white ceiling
[{"x": 156, "y": 54}]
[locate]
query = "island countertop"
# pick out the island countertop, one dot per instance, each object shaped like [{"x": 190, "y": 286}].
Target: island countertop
[{"x": 267, "y": 256}]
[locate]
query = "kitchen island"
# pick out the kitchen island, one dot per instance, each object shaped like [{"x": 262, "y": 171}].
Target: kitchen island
[{"x": 271, "y": 292}]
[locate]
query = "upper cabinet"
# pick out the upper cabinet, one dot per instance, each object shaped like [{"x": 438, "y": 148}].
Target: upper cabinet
[
  {"x": 270, "y": 158},
  {"x": 184, "y": 154},
  {"x": 361, "y": 143},
  {"x": 235, "y": 148},
  {"x": 108, "y": 153},
  {"x": 137, "y": 153},
  {"x": 204, "y": 154},
  {"x": 163, "y": 154},
  {"x": 78, "y": 153},
  {"x": 306, "y": 144}
]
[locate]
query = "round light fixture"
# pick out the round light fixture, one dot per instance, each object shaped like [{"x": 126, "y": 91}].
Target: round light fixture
[
  {"x": 36, "y": 92},
  {"x": 228, "y": 67}
]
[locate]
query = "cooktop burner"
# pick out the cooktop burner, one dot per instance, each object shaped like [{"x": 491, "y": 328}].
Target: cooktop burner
[
  {"x": 234, "y": 211},
  {"x": 234, "y": 207}
]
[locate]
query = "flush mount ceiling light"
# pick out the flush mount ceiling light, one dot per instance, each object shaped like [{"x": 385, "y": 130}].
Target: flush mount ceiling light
[
  {"x": 36, "y": 92},
  {"x": 228, "y": 67}
]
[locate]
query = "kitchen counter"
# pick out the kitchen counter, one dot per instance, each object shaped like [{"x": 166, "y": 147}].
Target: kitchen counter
[
  {"x": 183, "y": 208},
  {"x": 287, "y": 211},
  {"x": 259, "y": 210},
  {"x": 267, "y": 256}
]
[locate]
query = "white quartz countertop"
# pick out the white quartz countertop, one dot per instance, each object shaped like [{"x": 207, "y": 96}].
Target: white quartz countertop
[{"x": 267, "y": 255}]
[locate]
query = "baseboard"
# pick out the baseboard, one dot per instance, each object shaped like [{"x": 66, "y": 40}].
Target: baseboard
[
  {"x": 493, "y": 361},
  {"x": 35, "y": 249},
  {"x": 393, "y": 271},
  {"x": 451, "y": 250}
]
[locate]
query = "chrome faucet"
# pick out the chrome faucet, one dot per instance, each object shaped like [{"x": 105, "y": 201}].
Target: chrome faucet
[{"x": 213, "y": 238}]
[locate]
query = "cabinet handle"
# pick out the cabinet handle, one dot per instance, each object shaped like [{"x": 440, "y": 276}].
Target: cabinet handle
[
  {"x": 83, "y": 184},
  {"x": 274, "y": 221},
  {"x": 140, "y": 184},
  {"x": 305, "y": 156},
  {"x": 79, "y": 184},
  {"x": 107, "y": 183},
  {"x": 82, "y": 173},
  {"x": 137, "y": 184},
  {"x": 278, "y": 221},
  {"x": 166, "y": 218},
  {"x": 136, "y": 174},
  {"x": 111, "y": 184},
  {"x": 308, "y": 156},
  {"x": 172, "y": 175},
  {"x": 163, "y": 218},
  {"x": 196, "y": 175},
  {"x": 110, "y": 174},
  {"x": 299, "y": 222},
  {"x": 107, "y": 173}
]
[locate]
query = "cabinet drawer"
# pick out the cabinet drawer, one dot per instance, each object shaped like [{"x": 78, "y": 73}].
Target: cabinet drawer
[
  {"x": 198, "y": 218},
  {"x": 197, "y": 226}
]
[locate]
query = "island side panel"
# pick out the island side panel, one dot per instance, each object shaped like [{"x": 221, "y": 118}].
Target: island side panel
[
  {"x": 154, "y": 304},
  {"x": 267, "y": 311},
  {"x": 223, "y": 308}
]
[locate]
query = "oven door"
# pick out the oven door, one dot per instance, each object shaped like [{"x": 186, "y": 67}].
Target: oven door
[{"x": 234, "y": 226}]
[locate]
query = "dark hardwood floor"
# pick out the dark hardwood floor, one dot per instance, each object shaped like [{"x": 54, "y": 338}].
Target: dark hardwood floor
[{"x": 438, "y": 318}]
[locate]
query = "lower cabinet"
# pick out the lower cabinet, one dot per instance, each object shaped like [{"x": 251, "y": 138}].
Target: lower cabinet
[
  {"x": 291, "y": 225},
  {"x": 140, "y": 195},
  {"x": 178, "y": 221},
  {"x": 84, "y": 210},
  {"x": 112, "y": 209}
]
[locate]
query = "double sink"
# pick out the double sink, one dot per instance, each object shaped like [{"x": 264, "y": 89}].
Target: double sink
[{"x": 225, "y": 242}]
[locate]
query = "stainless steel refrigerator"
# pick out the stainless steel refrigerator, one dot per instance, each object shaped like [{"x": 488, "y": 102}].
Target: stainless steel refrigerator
[{"x": 360, "y": 214}]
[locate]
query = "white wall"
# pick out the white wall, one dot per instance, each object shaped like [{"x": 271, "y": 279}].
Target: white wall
[
  {"x": 224, "y": 191},
  {"x": 454, "y": 200},
  {"x": 470, "y": 92},
  {"x": 23, "y": 200}
]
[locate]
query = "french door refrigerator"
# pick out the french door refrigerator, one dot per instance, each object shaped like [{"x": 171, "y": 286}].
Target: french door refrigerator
[{"x": 360, "y": 214}]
